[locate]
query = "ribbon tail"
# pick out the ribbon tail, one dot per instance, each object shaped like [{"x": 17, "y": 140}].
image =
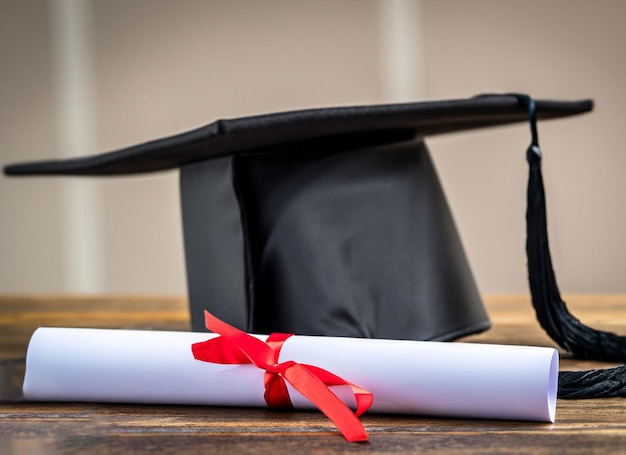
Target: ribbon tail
[
  {"x": 364, "y": 398},
  {"x": 309, "y": 385}
]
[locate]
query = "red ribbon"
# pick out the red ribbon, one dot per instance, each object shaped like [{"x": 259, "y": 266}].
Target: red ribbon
[{"x": 237, "y": 347}]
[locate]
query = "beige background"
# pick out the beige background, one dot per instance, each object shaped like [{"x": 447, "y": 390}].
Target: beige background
[{"x": 153, "y": 67}]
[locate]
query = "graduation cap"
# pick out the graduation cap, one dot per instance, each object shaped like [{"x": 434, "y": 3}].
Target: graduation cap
[
  {"x": 323, "y": 221},
  {"x": 333, "y": 222}
]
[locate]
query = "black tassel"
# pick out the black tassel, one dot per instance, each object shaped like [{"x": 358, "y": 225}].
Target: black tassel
[
  {"x": 552, "y": 313},
  {"x": 607, "y": 383},
  {"x": 551, "y": 310}
]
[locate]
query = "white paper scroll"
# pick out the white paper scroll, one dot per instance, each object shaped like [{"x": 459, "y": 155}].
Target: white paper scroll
[{"x": 414, "y": 377}]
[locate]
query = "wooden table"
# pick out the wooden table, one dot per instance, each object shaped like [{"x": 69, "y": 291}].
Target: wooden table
[{"x": 586, "y": 426}]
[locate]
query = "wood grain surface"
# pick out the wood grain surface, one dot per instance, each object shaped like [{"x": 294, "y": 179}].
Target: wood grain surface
[{"x": 582, "y": 427}]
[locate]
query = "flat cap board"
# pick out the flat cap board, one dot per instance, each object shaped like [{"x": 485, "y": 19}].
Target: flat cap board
[{"x": 224, "y": 137}]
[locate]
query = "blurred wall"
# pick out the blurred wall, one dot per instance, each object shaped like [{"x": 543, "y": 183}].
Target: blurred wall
[
  {"x": 31, "y": 222},
  {"x": 158, "y": 67},
  {"x": 567, "y": 49}
]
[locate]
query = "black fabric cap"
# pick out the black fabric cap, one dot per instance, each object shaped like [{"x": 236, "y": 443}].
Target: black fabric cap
[{"x": 324, "y": 221}]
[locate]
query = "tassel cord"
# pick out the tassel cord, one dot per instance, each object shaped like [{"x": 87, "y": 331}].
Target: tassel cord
[
  {"x": 605, "y": 383},
  {"x": 555, "y": 318},
  {"x": 552, "y": 313}
]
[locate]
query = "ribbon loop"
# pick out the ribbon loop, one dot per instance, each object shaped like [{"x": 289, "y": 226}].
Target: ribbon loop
[{"x": 236, "y": 347}]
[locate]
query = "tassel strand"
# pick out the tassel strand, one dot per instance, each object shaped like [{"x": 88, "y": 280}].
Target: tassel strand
[{"x": 552, "y": 313}]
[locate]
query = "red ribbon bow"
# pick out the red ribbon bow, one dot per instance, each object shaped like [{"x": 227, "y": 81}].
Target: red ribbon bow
[{"x": 237, "y": 347}]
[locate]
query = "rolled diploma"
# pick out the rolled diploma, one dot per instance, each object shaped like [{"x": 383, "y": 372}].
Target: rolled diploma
[{"x": 414, "y": 377}]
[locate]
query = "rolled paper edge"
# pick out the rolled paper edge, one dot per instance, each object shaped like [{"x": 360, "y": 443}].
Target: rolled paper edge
[{"x": 553, "y": 385}]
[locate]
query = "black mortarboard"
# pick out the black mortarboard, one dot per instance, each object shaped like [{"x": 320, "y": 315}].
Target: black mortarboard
[{"x": 323, "y": 221}]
